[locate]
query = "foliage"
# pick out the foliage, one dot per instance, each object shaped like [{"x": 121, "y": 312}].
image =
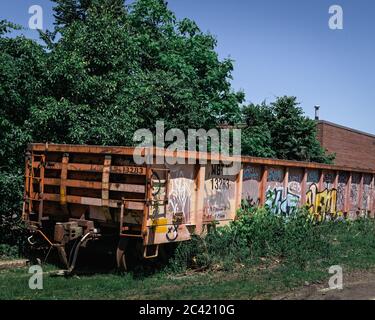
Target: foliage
[
  {"x": 11, "y": 228},
  {"x": 281, "y": 130},
  {"x": 7, "y": 251},
  {"x": 116, "y": 69},
  {"x": 258, "y": 236}
]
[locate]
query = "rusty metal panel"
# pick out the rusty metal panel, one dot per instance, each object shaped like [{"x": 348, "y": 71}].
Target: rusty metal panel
[
  {"x": 252, "y": 175},
  {"x": 219, "y": 194}
]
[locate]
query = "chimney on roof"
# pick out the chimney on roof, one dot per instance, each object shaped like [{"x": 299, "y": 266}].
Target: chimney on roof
[{"x": 317, "y": 107}]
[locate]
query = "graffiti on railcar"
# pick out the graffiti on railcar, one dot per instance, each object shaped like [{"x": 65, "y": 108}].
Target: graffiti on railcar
[
  {"x": 280, "y": 205},
  {"x": 295, "y": 181},
  {"x": 341, "y": 190},
  {"x": 354, "y": 192},
  {"x": 322, "y": 205},
  {"x": 170, "y": 213},
  {"x": 366, "y": 195},
  {"x": 180, "y": 198},
  {"x": 329, "y": 180},
  {"x": 250, "y": 189},
  {"x": 275, "y": 177},
  {"x": 313, "y": 177}
]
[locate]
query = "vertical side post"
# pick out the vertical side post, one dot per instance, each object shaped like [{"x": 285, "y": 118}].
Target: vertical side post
[
  {"x": 27, "y": 204},
  {"x": 63, "y": 182},
  {"x": 239, "y": 185},
  {"x": 199, "y": 203},
  {"x": 336, "y": 181},
  {"x": 321, "y": 180},
  {"x": 105, "y": 187},
  {"x": 262, "y": 186},
  {"x": 372, "y": 195},
  {"x": 347, "y": 193},
  {"x": 148, "y": 204},
  {"x": 360, "y": 194},
  {"x": 285, "y": 181},
  {"x": 41, "y": 186},
  {"x": 304, "y": 187}
]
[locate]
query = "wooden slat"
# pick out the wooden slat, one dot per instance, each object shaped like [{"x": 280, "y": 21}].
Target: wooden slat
[
  {"x": 74, "y": 183},
  {"x": 135, "y": 188},
  {"x": 81, "y": 149},
  {"x": 131, "y": 205},
  {"x": 128, "y": 170},
  {"x": 127, "y": 187}
]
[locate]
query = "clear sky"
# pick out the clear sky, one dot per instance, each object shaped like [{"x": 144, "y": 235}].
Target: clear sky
[{"x": 281, "y": 47}]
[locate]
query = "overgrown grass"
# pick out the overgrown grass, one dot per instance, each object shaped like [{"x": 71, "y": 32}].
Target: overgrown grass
[
  {"x": 257, "y": 256},
  {"x": 261, "y": 238}
]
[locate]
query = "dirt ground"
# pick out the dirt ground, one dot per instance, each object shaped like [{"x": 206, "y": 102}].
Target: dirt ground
[{"x": 357, "y": 286}]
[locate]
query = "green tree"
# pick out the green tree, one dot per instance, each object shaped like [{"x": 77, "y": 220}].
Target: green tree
[
  {"x": 281, "y": 130},
  {"x": 115, "y": 69},
  {"x": 22, "y": 66}
]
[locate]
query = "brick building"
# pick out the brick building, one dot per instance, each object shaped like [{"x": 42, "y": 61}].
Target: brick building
[{"x": 353, "y": 148}]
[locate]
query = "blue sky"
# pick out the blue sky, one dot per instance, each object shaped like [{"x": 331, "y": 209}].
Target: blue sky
[{"x": 281, "y": 47}]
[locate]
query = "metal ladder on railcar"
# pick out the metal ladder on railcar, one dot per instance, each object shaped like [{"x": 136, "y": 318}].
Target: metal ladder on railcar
[
  {"x": 31, "y": 179},
  {"x": 156, "y": 198}
]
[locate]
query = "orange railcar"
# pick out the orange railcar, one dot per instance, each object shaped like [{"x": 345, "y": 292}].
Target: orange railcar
[{"x": 80, "y": 193}]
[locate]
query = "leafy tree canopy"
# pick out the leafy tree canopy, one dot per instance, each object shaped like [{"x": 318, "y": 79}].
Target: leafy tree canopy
[
  {"x": 115, "y": 69},
  {"x": 281, "y": 130}
]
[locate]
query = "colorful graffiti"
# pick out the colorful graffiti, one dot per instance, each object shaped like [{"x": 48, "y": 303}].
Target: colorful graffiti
[
  {"x": 251, "y": 173},
  {"x": 280, "y": 205},
  {"x": 250, "y": 190},
  {"x": 322, "y": 205}
]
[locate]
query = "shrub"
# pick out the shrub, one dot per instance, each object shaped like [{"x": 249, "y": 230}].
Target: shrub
[{"x": 257, "y": 235}]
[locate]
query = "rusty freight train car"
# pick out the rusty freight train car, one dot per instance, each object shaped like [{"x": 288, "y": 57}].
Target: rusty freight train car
[{"x": 75, "y": 194}]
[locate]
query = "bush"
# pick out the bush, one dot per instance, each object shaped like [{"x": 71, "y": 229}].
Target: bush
[
  {"x": 257, "y": 235},
  {"x": 7, "y": 251},
  {"x": 12, "y": 231}
]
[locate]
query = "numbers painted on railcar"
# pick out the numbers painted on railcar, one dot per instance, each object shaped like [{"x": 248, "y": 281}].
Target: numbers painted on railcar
[
  {"x": 220, "y": 184},
  {"x": 134, "y": 170}
]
